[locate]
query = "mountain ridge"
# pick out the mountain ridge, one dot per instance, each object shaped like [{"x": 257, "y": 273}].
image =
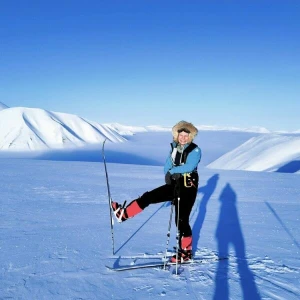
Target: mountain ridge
[
  {"x": 33, "y": 130},
  {"x": 27, "y": 129}
]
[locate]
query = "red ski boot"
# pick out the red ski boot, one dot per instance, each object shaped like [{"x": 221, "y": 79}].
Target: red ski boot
[
  {"x": 185, "y": 252},
  {"x": 122, "y": 214}
]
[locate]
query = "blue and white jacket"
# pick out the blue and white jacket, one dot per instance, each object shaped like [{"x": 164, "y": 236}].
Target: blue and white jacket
[{"x": 191, "y": 164}]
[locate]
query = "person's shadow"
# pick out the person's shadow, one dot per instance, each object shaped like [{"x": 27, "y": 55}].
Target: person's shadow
[
  {"x": 229, "y": 233},
  {"x": 207, "y": 191}
]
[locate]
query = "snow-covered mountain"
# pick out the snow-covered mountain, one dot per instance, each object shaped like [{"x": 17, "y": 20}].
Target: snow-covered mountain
[
  {"x": 270, "y": 152},
  {"x": 252, "y": 149},
  {"x": 3, "y": 106},
  {"x": 130, "y": 130},
  {"x": 255, "y": 129},
  {"x": 24, "y": 128}
]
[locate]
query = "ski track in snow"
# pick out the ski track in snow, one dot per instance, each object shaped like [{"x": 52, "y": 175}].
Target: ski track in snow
[
  {"x": 62, "y": 266},
  {"x": 197, "y": 277}
]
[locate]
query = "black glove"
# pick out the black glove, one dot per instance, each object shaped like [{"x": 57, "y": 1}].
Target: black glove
[
  {"x": 168, "y": 179},
  {"x": 176, "y": 176}
]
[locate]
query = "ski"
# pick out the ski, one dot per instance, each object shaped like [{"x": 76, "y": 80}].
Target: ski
[
  {"x": 142, "y": 256},
  {"x": 135, "y": 257},
  {"x": 170, "y": 252},
  {"x": 109, "y": 200},
  {"x": 159, "y": 265}
]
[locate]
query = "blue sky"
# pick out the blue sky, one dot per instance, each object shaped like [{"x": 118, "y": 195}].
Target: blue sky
[{"x": 226, "y": 63}]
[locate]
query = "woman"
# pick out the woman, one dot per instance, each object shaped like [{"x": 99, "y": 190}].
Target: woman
[{"x": 181, "y": 179}]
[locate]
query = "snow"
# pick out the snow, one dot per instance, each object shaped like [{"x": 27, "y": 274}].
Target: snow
[
  {"x": 131, "y": 130},
  {"x": 23, "y": 128},
  {"x": 47, "y": 134},
  {"x": 3, "y": 106},
  {"x": 56, "y": 236},
  {"x": 222, "y": 128},
  {"x": 263, "y": 153}
]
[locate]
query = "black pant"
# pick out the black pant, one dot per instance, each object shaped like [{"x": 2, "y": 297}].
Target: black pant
[{"x": 165, "y": 193}]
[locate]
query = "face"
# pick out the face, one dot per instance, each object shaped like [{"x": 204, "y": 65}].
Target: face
[{"x": 183, "y": 138}]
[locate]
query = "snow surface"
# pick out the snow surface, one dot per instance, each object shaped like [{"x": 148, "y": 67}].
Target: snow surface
[
  {"x": 263, "y": 153},
  {"x": 3, "y": 106},
  {"x": 43, "y": 134},
  {"x": 56, "y": 238},
  {"x": 219, "y": 128},
  {"x": 23, "y": 128}
]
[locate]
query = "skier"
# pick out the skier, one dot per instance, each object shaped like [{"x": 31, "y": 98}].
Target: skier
[{"x": 181, "y": 181}]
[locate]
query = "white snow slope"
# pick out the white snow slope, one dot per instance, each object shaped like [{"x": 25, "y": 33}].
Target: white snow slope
[
  {"x": 268, "y": 152},
  {"x": 37, "y": 129},
  {"x": 55, "y": 234},
  {"x": 34, "y": 130},
  {"x": 56, "y": 239},
  {"x": 3, "y": 106}
]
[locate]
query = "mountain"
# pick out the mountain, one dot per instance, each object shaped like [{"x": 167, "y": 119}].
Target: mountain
[
  {"x": 3, "y": 106},
  {"x": 254, "y": 129},
  {"x": 271, "y": 152},
  {"x": 251, "y": 149},
  {"x": 131, "y": 130},
  {"x": 24, "y": 128}
]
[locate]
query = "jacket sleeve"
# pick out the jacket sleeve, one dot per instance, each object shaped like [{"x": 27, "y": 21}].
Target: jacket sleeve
[
  {"x": 168, "y": 164},
  {"x": 191, "y": 164}
]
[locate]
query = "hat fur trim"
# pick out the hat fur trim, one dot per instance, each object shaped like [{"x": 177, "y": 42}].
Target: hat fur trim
[{"x": 183, "y": 124}]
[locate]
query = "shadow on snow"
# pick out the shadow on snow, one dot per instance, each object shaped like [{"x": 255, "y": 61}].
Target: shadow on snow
[
  {"x": 139, "y": 229},
  {"x": 207, "y": 191},
  {"x": 95, "y": 155},
  {"x": 291, "y": 167},
  {"x": 293, "y": 239},
  {"x": 229, "y": 233}
]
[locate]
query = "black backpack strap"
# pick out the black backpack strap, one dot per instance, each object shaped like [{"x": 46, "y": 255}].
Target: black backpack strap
[{"x": 188, "y": 150}]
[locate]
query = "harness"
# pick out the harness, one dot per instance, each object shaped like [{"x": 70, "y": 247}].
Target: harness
[{"x": 188, "y": 177}]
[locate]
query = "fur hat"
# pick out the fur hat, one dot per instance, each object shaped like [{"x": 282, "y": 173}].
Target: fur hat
[{"x": 182, "y": 126}]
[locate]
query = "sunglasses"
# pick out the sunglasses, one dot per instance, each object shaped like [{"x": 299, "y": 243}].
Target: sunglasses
[{"x": 183, "y": 129}]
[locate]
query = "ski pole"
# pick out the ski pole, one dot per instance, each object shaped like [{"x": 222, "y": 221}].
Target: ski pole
[
  {"x": 168, "y": 235},
  {"x": 177, "y": 234},
  {"x": 109, "y": 201},
  {"x": 177, "y": 222}
]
